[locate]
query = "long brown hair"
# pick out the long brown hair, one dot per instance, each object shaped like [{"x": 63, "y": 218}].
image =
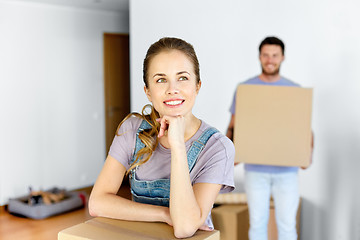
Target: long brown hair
[{"x": 149, "y": 137}]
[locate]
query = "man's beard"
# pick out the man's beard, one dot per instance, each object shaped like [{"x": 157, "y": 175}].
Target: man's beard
[{"x": 273, "y": 73}]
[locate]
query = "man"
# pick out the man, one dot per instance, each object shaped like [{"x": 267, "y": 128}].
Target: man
[{"x": 263, "y": 181}]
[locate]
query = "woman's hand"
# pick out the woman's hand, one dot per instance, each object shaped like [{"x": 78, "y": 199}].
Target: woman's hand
[
  {"x": 206, "y": 228},
  {"x": 167, "y": 217},
  {"x": 173, "y": 128}
]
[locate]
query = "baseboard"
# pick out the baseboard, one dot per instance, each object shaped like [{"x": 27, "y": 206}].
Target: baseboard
[{"x": 3, "y": 208}]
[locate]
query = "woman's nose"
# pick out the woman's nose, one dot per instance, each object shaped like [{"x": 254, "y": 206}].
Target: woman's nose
[{"x": 172, "y": 88}]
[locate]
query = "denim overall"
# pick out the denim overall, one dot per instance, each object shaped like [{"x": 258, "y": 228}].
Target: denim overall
[{"x": 157, "y": 192}]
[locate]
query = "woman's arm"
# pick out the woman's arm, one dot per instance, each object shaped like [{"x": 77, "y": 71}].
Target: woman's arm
[
  {"x": 104, "y": 202},
  {"x": 189, "y": 205}
]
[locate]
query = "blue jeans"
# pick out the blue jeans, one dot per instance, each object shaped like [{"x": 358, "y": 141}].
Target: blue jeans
[{"x": 285, "y": 191}]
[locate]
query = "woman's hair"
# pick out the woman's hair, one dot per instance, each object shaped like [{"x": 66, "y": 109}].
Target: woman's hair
[
  {"x": 168, "y": 44},
  {"x": 149, "y": 136}
]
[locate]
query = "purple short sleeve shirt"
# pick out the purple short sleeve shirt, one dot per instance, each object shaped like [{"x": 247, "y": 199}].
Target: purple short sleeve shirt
[{"x": 214, "y": 165}]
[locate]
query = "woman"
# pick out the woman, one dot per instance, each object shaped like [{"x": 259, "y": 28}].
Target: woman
[{"x": 168, "y": 147}]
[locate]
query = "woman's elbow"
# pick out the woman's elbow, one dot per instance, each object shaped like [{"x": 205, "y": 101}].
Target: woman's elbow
[
  {"x": 184, "y": 231},
  {"x": 93, "y": 207}
]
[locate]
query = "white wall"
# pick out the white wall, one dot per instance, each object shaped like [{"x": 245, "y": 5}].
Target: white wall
[
  {"x": 322, "y": 51},
  {"x": 52, "y": 128}
]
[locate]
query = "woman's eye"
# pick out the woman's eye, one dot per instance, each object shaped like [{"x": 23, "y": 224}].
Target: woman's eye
[
  {"x": 160, "y": 80},
  {"x": 183, "y": 78}
]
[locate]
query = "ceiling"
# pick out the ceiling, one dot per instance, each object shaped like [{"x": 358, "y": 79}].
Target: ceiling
[{"x": 109, "y": 5}]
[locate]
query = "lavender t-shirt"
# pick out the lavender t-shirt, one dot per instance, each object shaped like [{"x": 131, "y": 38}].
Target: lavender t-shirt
[{"x": 214, "y": 165}]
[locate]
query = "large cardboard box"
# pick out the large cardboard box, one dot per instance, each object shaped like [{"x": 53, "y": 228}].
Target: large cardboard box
[
  {"x": 111, "y": 229},
  {"x": 273, "y": 125}
]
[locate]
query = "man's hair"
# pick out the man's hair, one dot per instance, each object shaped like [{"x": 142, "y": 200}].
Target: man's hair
[{"x": 272, "y": 41}]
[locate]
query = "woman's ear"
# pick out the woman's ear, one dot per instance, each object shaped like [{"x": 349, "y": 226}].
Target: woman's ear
[
  {"x": 198, "y": 86},
  {"x": 147, "y": 92}
]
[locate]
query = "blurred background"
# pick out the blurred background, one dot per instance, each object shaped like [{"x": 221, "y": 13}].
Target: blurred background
[{"x": 52, "y": 125}]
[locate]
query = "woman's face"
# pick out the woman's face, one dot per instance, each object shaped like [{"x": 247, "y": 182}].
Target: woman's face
[{"x": 172, "y": 86}]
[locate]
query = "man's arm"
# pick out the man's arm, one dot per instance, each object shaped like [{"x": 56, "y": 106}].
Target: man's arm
[
  {"x": 230, "y": 130},
  {"x": 312, "y": 150}
]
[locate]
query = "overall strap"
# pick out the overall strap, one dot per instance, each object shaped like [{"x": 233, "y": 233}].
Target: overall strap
[
  {"x": 198, "y": 145},
  {"x": 139, "y": 144}
]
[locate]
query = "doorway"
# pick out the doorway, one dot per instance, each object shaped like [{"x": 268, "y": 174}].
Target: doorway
[{"x": 116, "y": 82}]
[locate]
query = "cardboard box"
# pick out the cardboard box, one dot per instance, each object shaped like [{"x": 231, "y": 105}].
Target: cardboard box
[
  {"x": 232, "y": 221},
  {"x": 231, "y": 198},
  {"x": 111, "y": 229},
  {"x": 273, "y": 125}
]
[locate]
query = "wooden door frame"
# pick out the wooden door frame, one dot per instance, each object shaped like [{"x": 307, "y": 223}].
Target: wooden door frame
[{"x": 106, "y": 85}]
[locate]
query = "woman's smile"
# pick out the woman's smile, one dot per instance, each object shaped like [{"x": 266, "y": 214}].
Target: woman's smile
[{"x": 174, "y": 103}]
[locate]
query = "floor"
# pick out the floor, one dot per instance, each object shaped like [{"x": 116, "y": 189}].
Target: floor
[{"x": 14, "y": 227}]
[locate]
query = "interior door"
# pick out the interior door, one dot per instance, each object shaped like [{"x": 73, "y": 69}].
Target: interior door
[{"x": 117, "y": 82}]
